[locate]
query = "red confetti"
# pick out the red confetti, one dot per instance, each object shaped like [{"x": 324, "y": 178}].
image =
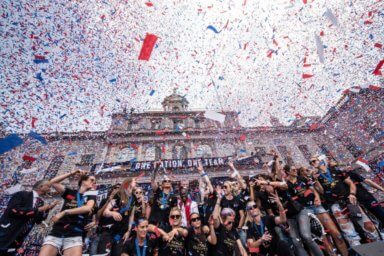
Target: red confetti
[
  {"x": 149, "y": 4},
  {"x": 86, "y": 121},
  {"x": 377, "y": 71},
  {"x": 148, "y": 44},
  {"x": 34, "y": 119},
  {"x": 368, "y": 22},
  {"x": 305, "y": 76},
  {"x": 374, "y": 88},
  {"x": 39, "y": 57},
  {"x": 29, "y": 158},
  {"x": 378, "y": 45},
  {"x": 134, "y": 146},
  {"x": 243, "y": 137}
]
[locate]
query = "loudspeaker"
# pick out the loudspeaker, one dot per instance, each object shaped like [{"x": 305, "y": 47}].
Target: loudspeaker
[{"x": 371, "y": 249}]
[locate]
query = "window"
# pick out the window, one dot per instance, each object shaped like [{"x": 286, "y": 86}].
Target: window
[
  {"x": 156, "y": 124},
  {"x": 283, "y": 152},
  {"x": 260, "y": 151},
  {"x": 152, "y": 153},
  {"x": 179, "y": 152},
  {"x": 204, "y": 151},
  {"x": 126, "y": 154},
  {"x": 178, "y": 124},
  {"x": 197, "y": 123},
  {"x": 53, "y": 167},
  {"x": 226, "y": 149},
  {"x": 305, "y": 151},
  {"x": 87, "y": 159}
]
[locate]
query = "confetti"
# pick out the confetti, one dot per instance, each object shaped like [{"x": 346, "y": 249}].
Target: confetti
[
  {"x": 320, "y": 48},
  {"x": 214, "y": 116},
  {"x": 213, "y": 29},
  {"x": 377, "y": 71},
  {"x": 37, "y": 137},
  {"x": 61, "y": 66},
  {"x": 148, "y": 44}
]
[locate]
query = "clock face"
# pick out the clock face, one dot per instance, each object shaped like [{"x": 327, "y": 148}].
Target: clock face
[{"x": 204, "y": 151}]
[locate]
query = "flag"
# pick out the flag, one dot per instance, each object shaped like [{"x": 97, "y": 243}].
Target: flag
[
  {"x": 10, "y": 142},
  {"x": 363, "y": 163},
  {"x": 307, "y": 76},
  {"x": 29, "y": 158},
  {"x": 38, "y": 137}
]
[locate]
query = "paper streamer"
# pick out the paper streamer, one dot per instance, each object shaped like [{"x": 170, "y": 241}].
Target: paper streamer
[
  {"x": 320, "y": 48},
  {"x": 214, "y": 116},
  {"x": 146, "y": 49},
  {"x": 377, "y": 71},
  {"x": 38, "y": 137},
  {"x": 213, "y": 29},
  {"x": 329, "y": 14}
]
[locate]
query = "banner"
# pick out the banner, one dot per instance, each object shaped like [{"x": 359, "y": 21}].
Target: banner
[{"x": 134, "y": 166}]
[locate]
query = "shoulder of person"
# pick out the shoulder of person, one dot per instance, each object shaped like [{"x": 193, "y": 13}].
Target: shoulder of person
[{"x": 22, "y": 193}]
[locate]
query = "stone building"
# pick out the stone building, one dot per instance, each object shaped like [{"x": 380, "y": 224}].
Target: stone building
[{"x": 179, "y": 136}]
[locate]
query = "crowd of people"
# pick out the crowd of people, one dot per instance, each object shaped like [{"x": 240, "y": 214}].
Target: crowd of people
[{"x": 319, "y": 209}]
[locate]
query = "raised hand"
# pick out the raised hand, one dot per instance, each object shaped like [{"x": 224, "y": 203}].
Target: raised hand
[
  {"x": 266, "y": 237},
  {"x": 200, "y": 168}
]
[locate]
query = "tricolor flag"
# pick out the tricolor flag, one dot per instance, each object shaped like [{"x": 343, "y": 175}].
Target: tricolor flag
[{"x": 363, "y": 163}]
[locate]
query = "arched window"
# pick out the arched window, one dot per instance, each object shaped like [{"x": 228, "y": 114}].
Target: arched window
[
  {"x": 152, "y": 153},
  {"x": 179, "y": 152},
  {"x": 204, "y": 151},
  {"x": 226, "y": 149},
  {"x": 125, "y": 154}
]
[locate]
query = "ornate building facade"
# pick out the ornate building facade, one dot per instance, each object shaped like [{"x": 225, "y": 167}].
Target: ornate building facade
[{"x": 179, "y": 136}]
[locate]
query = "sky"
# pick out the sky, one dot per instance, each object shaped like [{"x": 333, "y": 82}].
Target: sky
[{"x": 68, "y": 65}]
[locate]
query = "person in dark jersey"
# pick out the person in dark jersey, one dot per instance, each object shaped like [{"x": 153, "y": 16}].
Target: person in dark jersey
[
  {"x": 143, "y": 243},
  {"x": 120, "y": 209},
  {"x": 199, "y": 236},
  {"x": 261, "y": 235},
  {"x": 173, "y": 236},
  {"x": 227, "y": 236},
  {"x": 69, "y": 224}
]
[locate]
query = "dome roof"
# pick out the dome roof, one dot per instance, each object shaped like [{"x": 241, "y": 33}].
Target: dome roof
[{"x": 175, "y": 102}]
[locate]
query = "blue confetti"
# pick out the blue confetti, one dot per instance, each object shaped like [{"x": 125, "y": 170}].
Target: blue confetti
[{"x": 213, "y": 29}]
